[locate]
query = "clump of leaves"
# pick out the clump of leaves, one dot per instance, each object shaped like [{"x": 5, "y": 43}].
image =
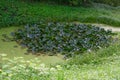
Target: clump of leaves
[{"x": 62, "y": 37}]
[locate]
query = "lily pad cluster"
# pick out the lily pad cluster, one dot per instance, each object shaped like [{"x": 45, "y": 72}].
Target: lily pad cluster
[{"x": 62, "y": 37}]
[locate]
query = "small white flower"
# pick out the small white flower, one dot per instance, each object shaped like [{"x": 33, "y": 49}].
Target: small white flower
[
  {"x": 28, "y": 61},
  {"x": 27, "y": 70},
  {"x": 59, "y": 67},
  {"x": 5, "y": 58},
  {"x": 0, "y": 70},
  {"x": 21, "y": 57},
  {"x": 4, "y": 73},
  {"x": 5, "y": 66},
  {"x": 36, "y": 67},
  {"x": 42, "y": 65},
  {"x": 22, "y": 66},
  {"x": 32, "y": 65},
  {"x": 14, "y": 68},
  {"x": 52, "y": 69},
  {"x": 10, "y": 75},
  {"x": 3, "y": 55},
  {"x": 22, "y": 61},
  {"x": 89, "y": 50}
]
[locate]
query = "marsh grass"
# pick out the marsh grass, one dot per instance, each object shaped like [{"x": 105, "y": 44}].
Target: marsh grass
[{"x": 25, "y": 12}]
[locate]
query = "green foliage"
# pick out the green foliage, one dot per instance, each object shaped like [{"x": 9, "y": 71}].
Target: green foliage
[
  {"x": 69, "y": 2},
  {"x": 10, "y": 13},
  {"x": 110, "y": 2},
  {"x": 18, "y": 68},
  {"x": 81, "y": 2},
  {"x": 16, "y": 12},
  {"x": 62, "y": 37}
]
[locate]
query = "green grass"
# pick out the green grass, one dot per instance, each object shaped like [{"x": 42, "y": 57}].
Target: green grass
[
  {"x": 108, "y": 70},
  {"x": 20, "y": 12}
]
